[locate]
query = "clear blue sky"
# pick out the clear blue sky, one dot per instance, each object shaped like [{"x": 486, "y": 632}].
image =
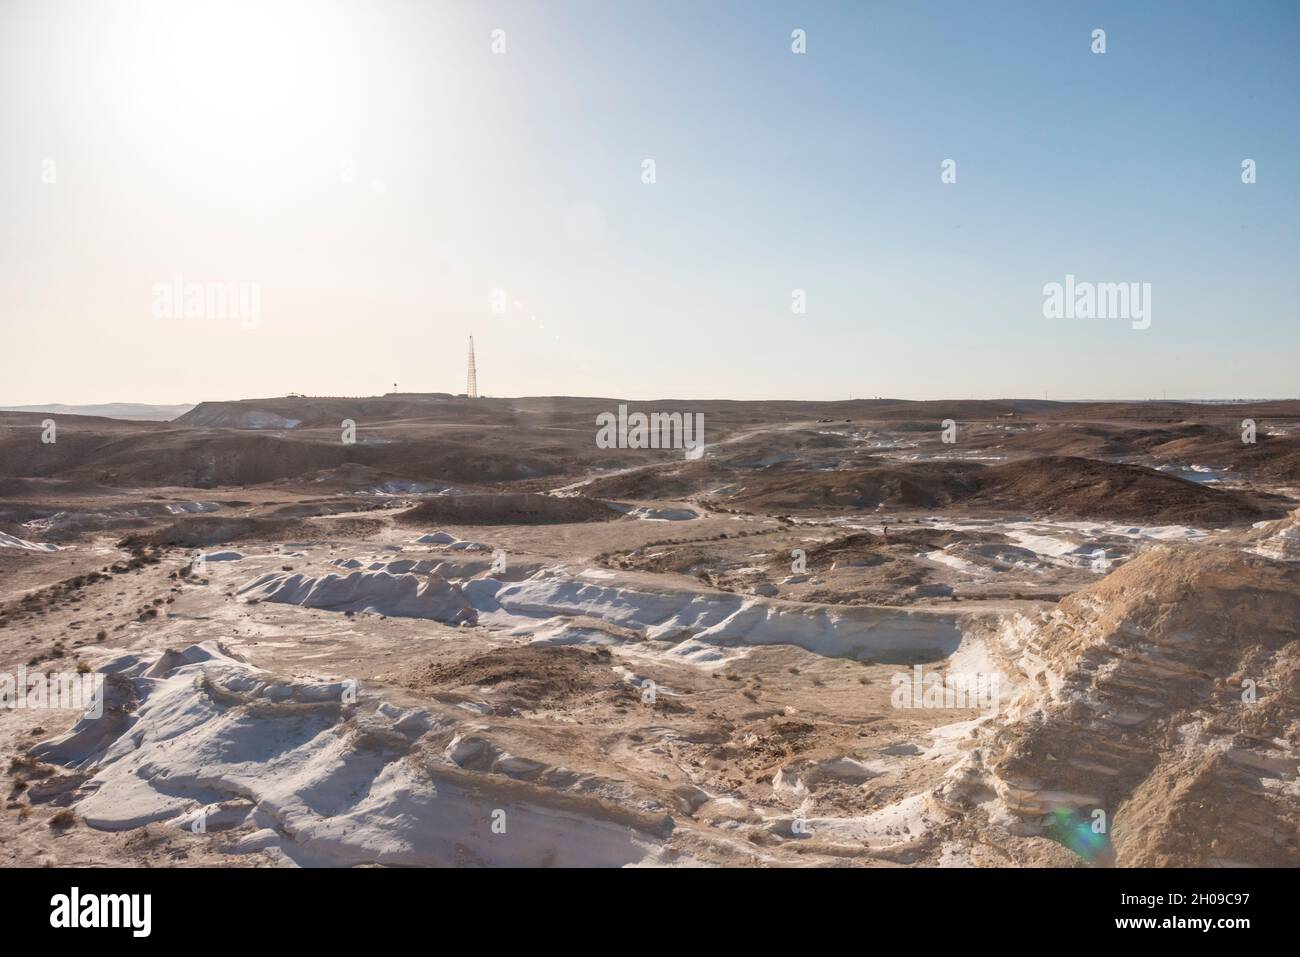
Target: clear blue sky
[{"x": 185, "y": 147}]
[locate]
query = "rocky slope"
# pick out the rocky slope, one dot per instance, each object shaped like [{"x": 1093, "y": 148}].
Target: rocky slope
[{"x": 1166, "y": 696}]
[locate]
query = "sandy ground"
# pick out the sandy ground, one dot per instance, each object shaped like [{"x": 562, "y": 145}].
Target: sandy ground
[{"x": 689, "y": 683}]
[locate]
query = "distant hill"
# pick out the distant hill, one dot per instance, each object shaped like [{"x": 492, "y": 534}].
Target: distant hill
[{"x": 130, "y": 411}]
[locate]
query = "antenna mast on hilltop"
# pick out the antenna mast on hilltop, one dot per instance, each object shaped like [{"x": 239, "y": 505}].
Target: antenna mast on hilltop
[{"x": 471, "y": 382}]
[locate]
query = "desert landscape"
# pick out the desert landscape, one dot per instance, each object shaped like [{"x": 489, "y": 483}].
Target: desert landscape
[
  {"x": 787, "y": 452},
  {"x": 473, "y": 636}
]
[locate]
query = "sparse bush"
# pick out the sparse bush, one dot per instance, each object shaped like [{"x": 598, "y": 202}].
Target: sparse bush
[{"x": 64, "y": 819}]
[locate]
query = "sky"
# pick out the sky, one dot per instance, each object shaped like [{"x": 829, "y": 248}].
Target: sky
[{"x": 382, "y": 180}]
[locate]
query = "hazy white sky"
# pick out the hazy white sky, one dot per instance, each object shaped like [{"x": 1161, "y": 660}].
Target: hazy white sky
[{"x": 376, "y": 170}]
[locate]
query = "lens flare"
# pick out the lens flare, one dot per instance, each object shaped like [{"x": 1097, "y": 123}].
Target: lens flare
[{"x": 1067, "y": 827}]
